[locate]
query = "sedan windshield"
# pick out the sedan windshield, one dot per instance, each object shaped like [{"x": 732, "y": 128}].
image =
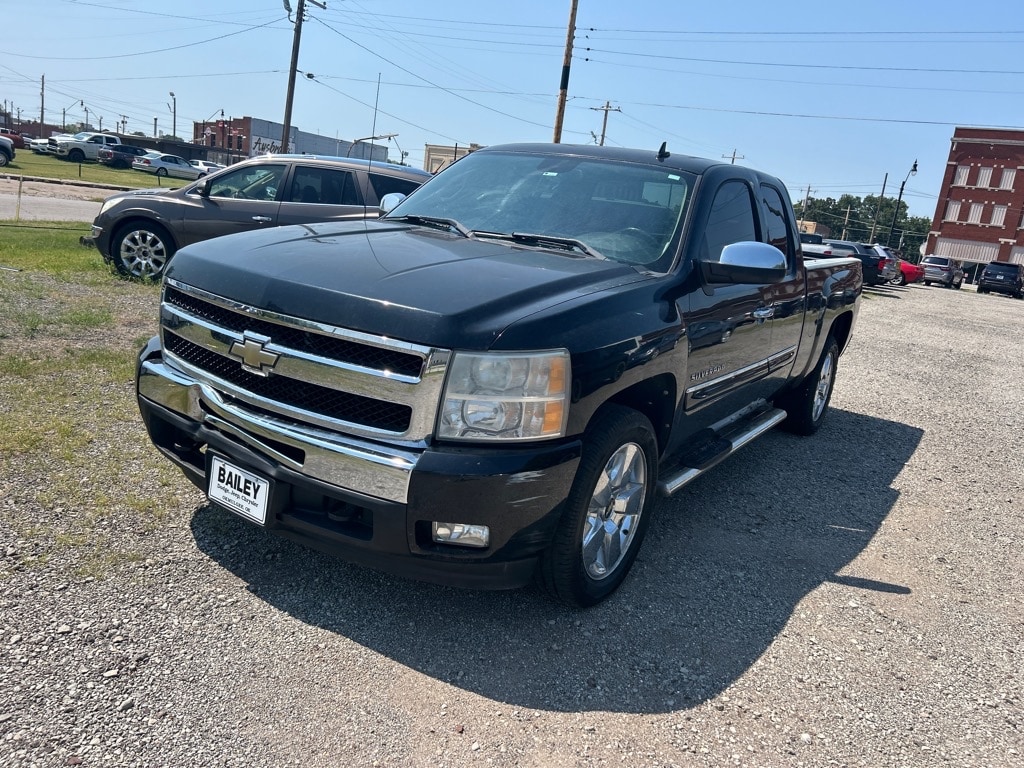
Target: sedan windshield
[{"x": 626, "y": 212}]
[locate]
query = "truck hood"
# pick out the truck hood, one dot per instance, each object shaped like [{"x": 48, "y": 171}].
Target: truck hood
[{"x": 407, "y": 282}]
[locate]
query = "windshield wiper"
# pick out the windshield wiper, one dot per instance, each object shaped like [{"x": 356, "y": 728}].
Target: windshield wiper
[
  {"x": 528, "y": 238},
  {"x": 433, "y": 221}
]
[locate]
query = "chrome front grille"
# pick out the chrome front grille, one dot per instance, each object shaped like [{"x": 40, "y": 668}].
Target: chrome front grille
[{"x": 307, "y": 372}]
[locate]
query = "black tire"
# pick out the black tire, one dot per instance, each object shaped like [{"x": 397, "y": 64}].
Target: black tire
[
  {"x": 4, "y": 159},
  {"x": 900, "y": 279},
  {"x": 76, "y": 155},
  {"x": 807, "y": 405},
  {"x": 927, "y": 282},
  {"x": 606, "y": 515},
  {"x": 141, "y": 249},
  {"x": 161, "y": 172}
]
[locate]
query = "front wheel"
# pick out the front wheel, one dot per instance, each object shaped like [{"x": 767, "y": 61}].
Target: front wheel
[
  {"x": 806, "y": 405},
  {"x": 607, "y": 512},
  {"x": 900, "y": 279},
  {"x": 141, "y": 249},
  {"x": 76, "y": 156}
]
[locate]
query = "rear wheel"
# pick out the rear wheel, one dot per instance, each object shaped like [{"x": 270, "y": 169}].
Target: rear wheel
[
  {"x": 607, "y": 512},
  {"x": 900, "y": 279},
  {"x": 4, "y": 159},
  {"x": 807, "y": 405},
  {"x": 141, "y": 249},
  {"x": 161, "y": 172}
]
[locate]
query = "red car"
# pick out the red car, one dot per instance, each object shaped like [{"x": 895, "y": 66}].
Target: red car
[
  {"x": 909, "y": 273},
  {"x": 14, "y": 136}
]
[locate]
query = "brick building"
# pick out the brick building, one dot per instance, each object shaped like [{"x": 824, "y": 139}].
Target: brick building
[{"x": 978, "y": 217}]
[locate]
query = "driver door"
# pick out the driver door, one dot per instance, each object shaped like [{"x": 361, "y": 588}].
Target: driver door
[{"x": 240, "y": 200}]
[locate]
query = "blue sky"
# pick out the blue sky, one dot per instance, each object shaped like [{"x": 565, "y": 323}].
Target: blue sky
[{"x": 830, "y": 96}]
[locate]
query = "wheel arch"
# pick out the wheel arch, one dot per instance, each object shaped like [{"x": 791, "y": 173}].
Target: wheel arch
[
  {"x": 655, "y": 398},
  {"x": 842, "y": 330}
]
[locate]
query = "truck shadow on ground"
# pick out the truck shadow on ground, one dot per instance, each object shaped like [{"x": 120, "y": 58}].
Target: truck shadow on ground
[{"x": 725, "y": 563}]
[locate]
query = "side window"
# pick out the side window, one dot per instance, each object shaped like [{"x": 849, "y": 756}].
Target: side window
[
  {"x": 776, "y": 222},
  {"x": 731, "y": 220},
  {"x": 385, "y": 185},
  {"x": 323, "y": 185},
  {"x": 259, "y": 182}
]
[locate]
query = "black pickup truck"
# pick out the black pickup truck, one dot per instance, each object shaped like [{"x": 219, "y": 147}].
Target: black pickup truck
[{"x": 492, "y": 383}]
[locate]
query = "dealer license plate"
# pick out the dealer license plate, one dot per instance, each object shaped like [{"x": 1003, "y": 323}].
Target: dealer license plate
[{"x": 238, "y": 490}]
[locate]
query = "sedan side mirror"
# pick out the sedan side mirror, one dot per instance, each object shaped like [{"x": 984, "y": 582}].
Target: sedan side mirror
[{"x": 203, "y": 187}]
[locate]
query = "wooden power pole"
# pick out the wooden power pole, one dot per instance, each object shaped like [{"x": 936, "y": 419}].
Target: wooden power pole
[{"x": 563, "y": 88}]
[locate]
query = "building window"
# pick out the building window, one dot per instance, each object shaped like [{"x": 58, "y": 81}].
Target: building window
[
  {"x": 952, "y": 210},
  {"x": 998, "y": 215},
  {"x": 984, "y": 177},
  {"x": 974, "y": 217},
  {"x": 1007, "y": 181},
  {"x": 960, "y": 180}
]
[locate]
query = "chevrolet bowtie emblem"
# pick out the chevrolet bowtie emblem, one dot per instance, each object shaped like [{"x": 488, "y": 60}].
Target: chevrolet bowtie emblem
[{"x": 255, "y": 358}]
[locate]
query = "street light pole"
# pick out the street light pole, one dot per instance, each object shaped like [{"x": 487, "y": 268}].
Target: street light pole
[
  {"x": 369, "y": 138},
  {"x": 899, "y": 199},
  {"x": 174, "y": 114}
]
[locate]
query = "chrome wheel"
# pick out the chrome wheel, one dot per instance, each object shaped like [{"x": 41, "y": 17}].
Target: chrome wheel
[
  {"x": 824, "y": 389},
  {"x": 614, "y": 511},
  {"x": 607, "y": 512},
  {"x": 143, "y": 253}
]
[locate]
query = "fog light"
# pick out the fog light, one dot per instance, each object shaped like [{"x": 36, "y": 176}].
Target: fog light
[{"x": 461, "y": 534}]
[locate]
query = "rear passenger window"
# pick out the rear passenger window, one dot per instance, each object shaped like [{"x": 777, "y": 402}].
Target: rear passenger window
[
  {"x": 731, "y": 220},
  {"x": 385, "y": 185},
  {"x": 323, "y": 185},
  {"x": 776, "y": 221}
]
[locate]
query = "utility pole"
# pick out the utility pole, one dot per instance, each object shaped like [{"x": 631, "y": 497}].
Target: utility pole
[
  {"x": 846, "y": 222},
  {"x": 878, "y": 208},
  {"x": 300, "y": 14},
  {"x": 734, "y": 156},
  {"x": 563, "y": 86},
  {"x": 803, "y": 208},
  {"x": 604, "y": 123},
  {"x": 42, "y": 103}
]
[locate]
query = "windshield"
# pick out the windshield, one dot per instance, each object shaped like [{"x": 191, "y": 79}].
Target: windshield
[{"x": 622, "y": 211}]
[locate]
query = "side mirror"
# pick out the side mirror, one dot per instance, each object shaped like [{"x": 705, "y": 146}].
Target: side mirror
[
  {"x": 203, "y": 187},
  {"x": 747, "y": 262},
  {"x": 390, "y": 201}
]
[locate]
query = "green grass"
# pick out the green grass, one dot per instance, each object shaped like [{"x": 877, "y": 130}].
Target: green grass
[
  {"x": 70, "y": 330},
  {"x": 28, "y": 163},
  {"x": 48, "y": 247}
]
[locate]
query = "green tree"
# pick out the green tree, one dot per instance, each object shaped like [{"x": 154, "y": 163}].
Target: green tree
[{"x": 867, "y": 220}]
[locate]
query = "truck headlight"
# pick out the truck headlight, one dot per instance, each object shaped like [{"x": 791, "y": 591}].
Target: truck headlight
[{"x": 506, "y": 396}]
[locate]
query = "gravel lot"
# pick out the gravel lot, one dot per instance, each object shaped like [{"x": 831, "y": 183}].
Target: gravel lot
[{"x": 851, "y": 599}]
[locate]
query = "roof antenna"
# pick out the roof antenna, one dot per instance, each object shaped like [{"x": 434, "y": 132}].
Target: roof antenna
[{"x": 663, "y": 153}]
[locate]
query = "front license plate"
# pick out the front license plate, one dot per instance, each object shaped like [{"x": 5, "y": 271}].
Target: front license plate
[{"x": 238, "y": 490}]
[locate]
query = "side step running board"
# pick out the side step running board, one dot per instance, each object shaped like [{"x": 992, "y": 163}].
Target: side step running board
[{"x": 732, "y": 442}]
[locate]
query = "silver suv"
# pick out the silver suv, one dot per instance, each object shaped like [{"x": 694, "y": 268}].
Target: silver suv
[
  {"x": 138, "y": 232},
  {"x": 942, "y": 270}
]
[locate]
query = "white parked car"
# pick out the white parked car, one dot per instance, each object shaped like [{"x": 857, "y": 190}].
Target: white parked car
[
  {"x": 167, "y": 165},
  {"x": 206, "y": 165}
]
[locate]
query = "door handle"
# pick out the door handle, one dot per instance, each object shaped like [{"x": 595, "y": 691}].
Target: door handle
[
  {"x": 262, "y": 219},
  {"x": 764, "y": 313}
]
